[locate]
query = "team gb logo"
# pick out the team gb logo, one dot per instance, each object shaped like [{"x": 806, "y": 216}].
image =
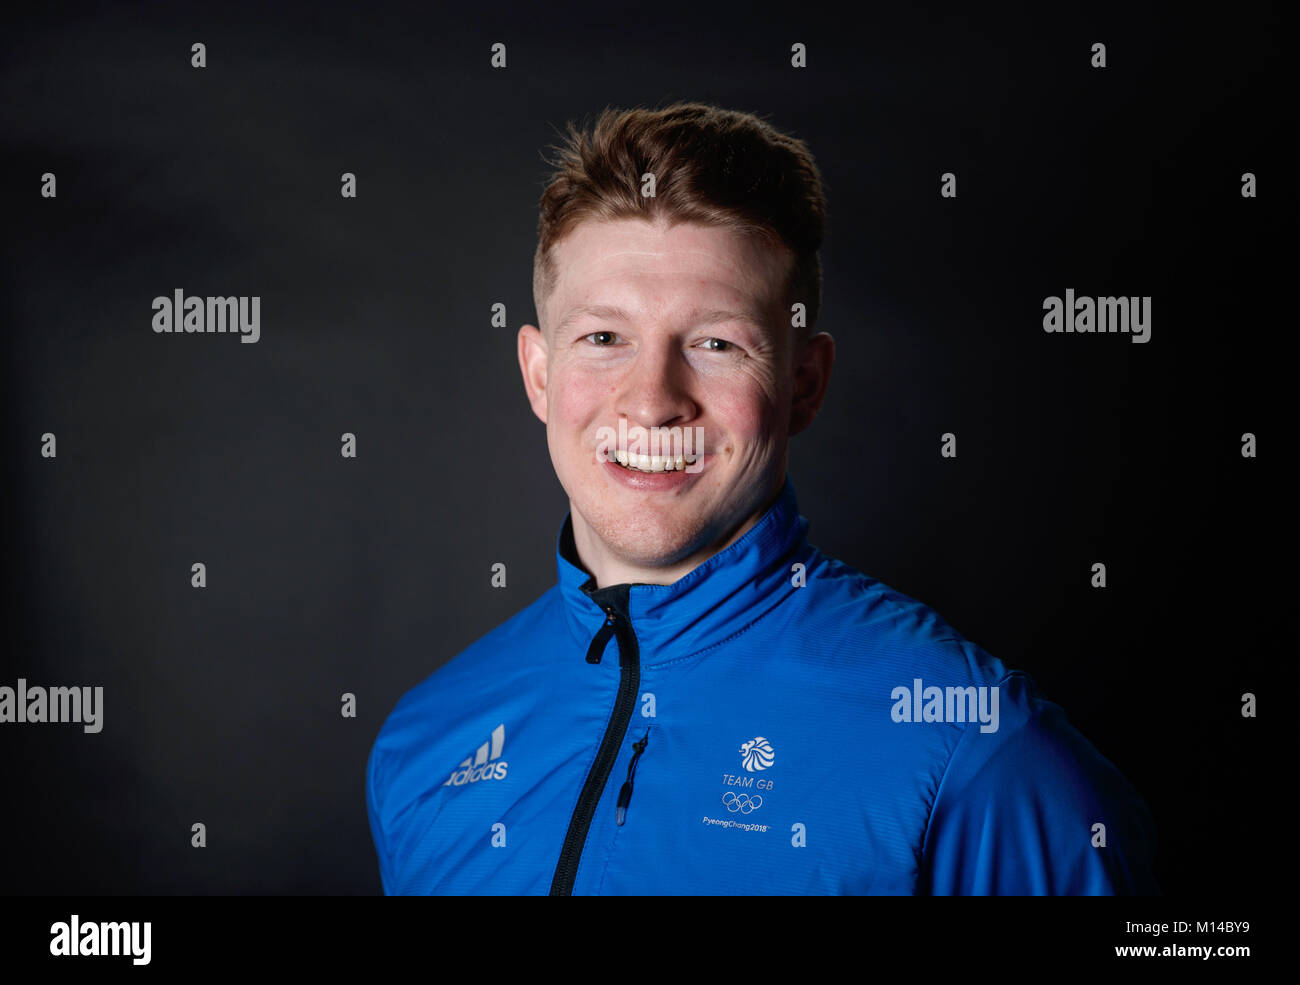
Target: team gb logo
[{"x": 757, "y": 754}]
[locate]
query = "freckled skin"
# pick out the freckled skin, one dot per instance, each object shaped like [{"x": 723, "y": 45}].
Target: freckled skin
[{"x": 742, "y": 382}]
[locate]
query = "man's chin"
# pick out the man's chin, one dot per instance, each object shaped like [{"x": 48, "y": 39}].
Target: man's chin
[{"x": 650, "y": 546}]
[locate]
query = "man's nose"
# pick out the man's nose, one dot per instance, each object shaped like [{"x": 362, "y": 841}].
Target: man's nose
[{"x": 655, "y": 390}]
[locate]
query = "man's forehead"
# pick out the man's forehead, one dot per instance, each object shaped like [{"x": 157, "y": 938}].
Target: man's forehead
[
  {"x": 617, "y": 242},
  {"x": 717, "y": 272}
]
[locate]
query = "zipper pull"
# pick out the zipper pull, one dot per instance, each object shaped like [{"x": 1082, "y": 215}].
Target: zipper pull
[
  {"x": 625, "y": 795},
  {"x": 607, "y": 629}
]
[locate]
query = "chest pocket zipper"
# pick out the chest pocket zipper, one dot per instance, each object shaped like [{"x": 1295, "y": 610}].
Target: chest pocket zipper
[{"x": 625, "y": 794}]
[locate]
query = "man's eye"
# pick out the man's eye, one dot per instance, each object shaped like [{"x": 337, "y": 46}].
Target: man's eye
[
  {"x": 602, "y": 338},
  {"x": 717, "y": 345}
]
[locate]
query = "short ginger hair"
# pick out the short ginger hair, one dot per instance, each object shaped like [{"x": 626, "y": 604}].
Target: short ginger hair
[{"x": 712, "y": 166}]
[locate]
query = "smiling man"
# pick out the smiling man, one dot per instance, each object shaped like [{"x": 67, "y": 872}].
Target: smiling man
[
  {"x": 705, "y": 703},
  {"x": 670, "y": 328}
]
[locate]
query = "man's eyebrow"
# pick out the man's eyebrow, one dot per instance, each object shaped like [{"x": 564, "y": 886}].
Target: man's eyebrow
[
  {"x": 609, "y": 312},
  {"x": 606, "y": 312}
]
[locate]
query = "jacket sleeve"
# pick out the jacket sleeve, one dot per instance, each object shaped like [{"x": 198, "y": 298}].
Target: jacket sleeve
[
  {"x": 1017, "y": 811},
  {"x": 373, "y": 797}
]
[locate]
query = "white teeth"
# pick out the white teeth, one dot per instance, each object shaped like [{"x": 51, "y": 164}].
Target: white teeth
[{"x": 650, "y": 463}]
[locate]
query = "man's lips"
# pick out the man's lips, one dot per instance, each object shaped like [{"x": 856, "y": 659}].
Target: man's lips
[{"x": 661, "y": 481}]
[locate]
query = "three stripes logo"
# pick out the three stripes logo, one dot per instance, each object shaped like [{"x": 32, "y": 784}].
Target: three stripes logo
[{"x": 485, "y": 764}]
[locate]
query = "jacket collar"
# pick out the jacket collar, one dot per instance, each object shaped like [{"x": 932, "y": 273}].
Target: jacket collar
[{"x": 716, "y": 600}]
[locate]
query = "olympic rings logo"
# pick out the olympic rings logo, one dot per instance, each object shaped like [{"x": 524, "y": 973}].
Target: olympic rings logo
[{"x": 741, "y": 802}]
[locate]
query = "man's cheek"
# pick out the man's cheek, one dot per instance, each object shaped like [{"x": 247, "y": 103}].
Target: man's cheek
[{"x": 743, "y": 418}]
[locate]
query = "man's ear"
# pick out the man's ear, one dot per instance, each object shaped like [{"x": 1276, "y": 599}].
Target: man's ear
[
  {"x": 532, "y": 364},
  {"x": 812, "y": 377}
]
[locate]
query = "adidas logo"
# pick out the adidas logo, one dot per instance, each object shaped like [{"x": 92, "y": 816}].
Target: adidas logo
[{"x": 483, "y": 765}]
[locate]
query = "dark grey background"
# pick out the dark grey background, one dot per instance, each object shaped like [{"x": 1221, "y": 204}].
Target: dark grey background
[{"x": 329, "y": 575}]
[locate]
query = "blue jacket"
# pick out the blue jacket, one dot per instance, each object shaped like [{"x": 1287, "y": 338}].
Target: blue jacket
[{"x": 773, "y": 722}]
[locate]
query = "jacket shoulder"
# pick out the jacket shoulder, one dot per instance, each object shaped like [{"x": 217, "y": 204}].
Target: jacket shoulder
[
  {"x": 1035, "y": 809},
  {"x": 890, "y": 634},
  {"x": 440, "y": 721},
  {"x": 480, "y": 667}
]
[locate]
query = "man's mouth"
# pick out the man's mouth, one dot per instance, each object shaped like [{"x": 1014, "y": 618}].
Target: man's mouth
[{"x": 651, "y": 463}]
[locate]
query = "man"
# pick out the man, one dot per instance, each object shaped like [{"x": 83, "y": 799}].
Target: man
[{"x": 705, "y": 703}]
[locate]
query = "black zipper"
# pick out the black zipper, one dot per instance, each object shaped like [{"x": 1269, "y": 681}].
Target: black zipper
[
  {"x": 614, "y": 601},
  {"x": 625, "y": 795}
]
